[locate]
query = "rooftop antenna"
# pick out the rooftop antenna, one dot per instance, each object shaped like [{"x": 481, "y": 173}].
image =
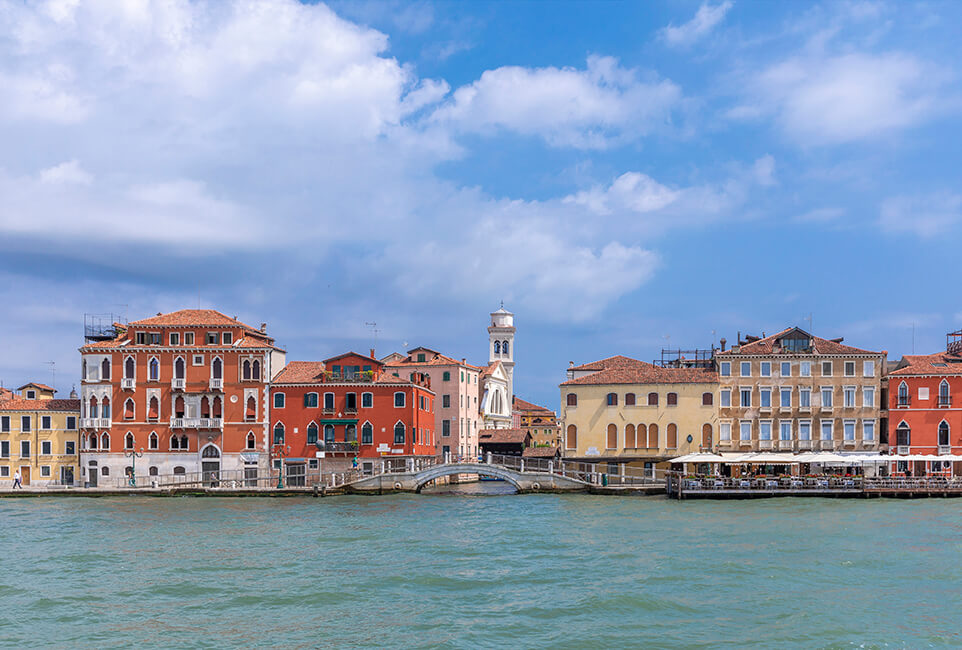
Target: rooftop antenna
[
  {"x": 913, "y": 338},
  {"x": 374, "y": 329},
  {"x": 53, "y": 372}
]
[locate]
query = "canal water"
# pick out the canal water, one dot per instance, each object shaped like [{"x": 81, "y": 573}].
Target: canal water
[{"x": 471, "y": 569}]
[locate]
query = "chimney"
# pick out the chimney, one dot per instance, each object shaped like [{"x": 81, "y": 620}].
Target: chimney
[
  {"x": 724, "y": 342},
  {"x": 263, "y": 327},
  {"x": 372, "y": 356},
  {"x": 464, "y": 360},
  {"x": 571, "y": 364}
]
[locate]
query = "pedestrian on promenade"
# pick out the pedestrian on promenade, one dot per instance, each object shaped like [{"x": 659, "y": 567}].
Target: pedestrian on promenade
[
  {"x": 17, "y": 480},
  {"x": 354, "y": 463}
]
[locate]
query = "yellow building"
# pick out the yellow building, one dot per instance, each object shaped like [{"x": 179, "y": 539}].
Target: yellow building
[
  {"x": 39, "y": 437},
  {"x": 622, "y": 411},
  {"x": 540, "y": 422}
]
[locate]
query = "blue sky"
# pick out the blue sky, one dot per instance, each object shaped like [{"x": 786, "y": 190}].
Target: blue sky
[{"x": 623, "y": 175}]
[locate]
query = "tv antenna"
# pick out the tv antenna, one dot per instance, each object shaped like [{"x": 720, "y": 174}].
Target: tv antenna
[
  {"x": 53, "y": 372},
  {"x": 375, "y": 330}
]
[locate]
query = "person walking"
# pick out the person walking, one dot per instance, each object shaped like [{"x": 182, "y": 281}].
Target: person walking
[{"x": 17, "y": 480}]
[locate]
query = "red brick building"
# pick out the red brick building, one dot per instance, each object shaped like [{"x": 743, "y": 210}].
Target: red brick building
[
  {"x": 925, "y": 418},
  {"x": 331, "y": 411},
  {"x": 188, "y": 388}
]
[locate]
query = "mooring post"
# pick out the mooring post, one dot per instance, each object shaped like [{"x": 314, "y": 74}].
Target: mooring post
[
  {"x": 489, "y": 458},
  {"x": 550, "y": 467},
  {"x": 522, "y": 465}
]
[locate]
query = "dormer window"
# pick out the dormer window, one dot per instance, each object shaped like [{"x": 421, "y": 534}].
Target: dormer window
[
  {"x": 213, "y": 338},
  {"x": 31, "y": 394},
  {"x": 227, "y": 338}
]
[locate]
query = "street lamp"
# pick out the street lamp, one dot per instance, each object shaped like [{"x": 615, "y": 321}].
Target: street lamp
[
  {"x": 280, "y": 451},
  {"x": 133, "y": 456}
]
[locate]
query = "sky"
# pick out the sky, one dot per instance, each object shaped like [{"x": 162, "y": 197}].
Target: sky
[{"x": 625, "y": 176}]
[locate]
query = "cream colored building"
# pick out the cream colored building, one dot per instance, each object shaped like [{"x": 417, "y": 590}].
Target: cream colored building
[
  {"x": 796, "y": 392},
  {"x": 39, "y": 437},
  {"x": 622, "y": 411}
]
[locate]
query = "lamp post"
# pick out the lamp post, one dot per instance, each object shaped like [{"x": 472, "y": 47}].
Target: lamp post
[
  {"x": 133, "y": 456},
  {"x": 279, "y": 452}
]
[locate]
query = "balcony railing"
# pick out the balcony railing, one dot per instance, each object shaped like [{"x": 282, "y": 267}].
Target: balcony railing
[
  {"x": 197, "y": 423},
  {"x": 88, "y": 423},
  {"x": 826, "y": 444},
  {"x": 350, "y": 446},
  {"x": 783, "y": 444},
  {"x": 904, "y": 402},
  {"x": 764, "y": 444},
  {"x": 902, "y": 450},
  {"x": 351, "y": 410},
  {"x": 216, "y": 383},
  {"x": 945, "y": 449},
  {"x": 804, "y": 444},
  {"x": 178, "y": 384},
  {"x": 128, "y": 383},
  {"x": 945, "y": 401}
]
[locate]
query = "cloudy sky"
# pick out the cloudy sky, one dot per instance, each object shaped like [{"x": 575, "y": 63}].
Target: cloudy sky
[{"x": 625, "y": 176}]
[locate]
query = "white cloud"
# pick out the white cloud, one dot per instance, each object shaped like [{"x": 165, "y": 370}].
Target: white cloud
[
  {"x": 923, "y": 215},
  {"x": 586, "y": 109},
  {"x": 819, "y": 99},
  {"x": 705, "y": 20},
  {"x": 764, "y": 169},
  {"x": 631, "y": 191},
  {"x": 66, "y": 172}
]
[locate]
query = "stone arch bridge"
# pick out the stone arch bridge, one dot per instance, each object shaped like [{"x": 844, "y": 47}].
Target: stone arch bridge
[{"x": 523, "y": 480}]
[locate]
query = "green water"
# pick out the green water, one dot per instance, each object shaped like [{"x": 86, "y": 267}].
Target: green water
[{"x": 480, "y": 571}]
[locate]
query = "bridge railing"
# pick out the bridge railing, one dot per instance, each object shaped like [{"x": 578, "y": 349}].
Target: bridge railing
[{"x": 594, "y": 473}]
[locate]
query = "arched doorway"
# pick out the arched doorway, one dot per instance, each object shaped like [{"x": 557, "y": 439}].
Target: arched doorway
[{"x": 210, "y": 464}]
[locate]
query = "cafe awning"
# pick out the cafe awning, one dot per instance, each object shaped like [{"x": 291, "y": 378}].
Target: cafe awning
[
  {"x": 701, "y": 457},
  {"x": 765, "y": 458}
]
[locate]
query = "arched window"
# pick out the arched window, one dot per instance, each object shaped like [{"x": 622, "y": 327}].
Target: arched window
[
  {"x": 184, "y": 443},
  {"x": 105, "y": 471},
  {"x": 367, "y": 434},
  {"x": 204, "y": 407},
  {"x": 179, "y": 470},
  {"x": 105, "y": 369},
  {"x": 612, "y": 399},
  {"x": 153, "y": 409},
  {"x": 707, "y": 399},
  {"x": 572, "y": 399},
  {"x": 310, "y": 401},
  {"x": 311, "y": 433},
  {"x": 256, "y": 370},
  {"x": 629, "y": 436},
  {"x": 105, "y": 441},
  {"x": 217, "y": 368},
  {"x": 903, "y": 434},
  {"x": 706, "y": 434},
  {"x": 641, "y": 436},
  {"x": 174, "y": 442},
  {"x": 216, "y": 411},
  {"x": 93, "y": 441},
  {"x": 251, "y": 440},
  {"x": 446, "y": 376},
  {"x": 247, "y": 369},
  {"x": 250, "y": 413},
  {"x": 903, "y": 394},
  {"x": 629, "y": 399},
  {"x": 504, "y": 347},
  {"x": 652, "y": 436},
  {"x": 279, "y": 433},
  {"x": 105, "y": 407},
  {"x": 943, "y": 434},
  {"x": 328, "y": 433},
  {"x": 652, "y": 399},
  {"x": 210, "y": 451},
  {"x": 129, "y": 440},
  {"x": 672, "y": 435},
  {"x": 153, "y": 442},
  {"x": 129, "y": 368},
  {"x": 93, "y": 408},
  {"x": 350, "y": 433},
  {"x": 153, "y": 369},
  {"x": 944, "y": 393},
  {"x": 179, "y": 368},
  {"x": 179, "y": 407},
  {"x": 152, "y": 471},
  {"x": 129, "y": 409},
  {"x": 672, "y": 399},
  {"x": 571, "y": 438},
  {"x": 612, "y": 440},
  {"x": 399, "y": 433},
  {"x": 497, "y": 347}
]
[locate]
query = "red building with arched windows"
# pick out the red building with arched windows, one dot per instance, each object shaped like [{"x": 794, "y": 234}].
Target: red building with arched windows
[
  {"x": 188, "y": 388},
  {"x": 345, "y": 407},
  {"x": 925, "y": 405}
]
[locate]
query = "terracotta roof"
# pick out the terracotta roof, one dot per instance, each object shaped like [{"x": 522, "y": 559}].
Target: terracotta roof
[
  {"x": 618, "y": 361},
  {"x": 5, "y": 394},
  {"x": 198, "y": 317},
  {"x": 502, "y": 436},
  {"x": 924, "y": 364},
  {"x": 20, "y": 404},
  {"x": 540, "y": 452},
  {"x": 355, "y": 354},
  {"x": 519, "y": 404},
  {"x": 300, "y": 372},
  {"x": 488, "y": 370},
  {"x": 115, "y": 343},
  {"x": 40, "y": 386},
  {"x": 767, "y": 346},
  {"x": 437, "y": 360},
  {"x": 624, "y": 370}
]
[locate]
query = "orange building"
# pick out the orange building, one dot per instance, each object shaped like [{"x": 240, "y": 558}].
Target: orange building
[{"x": 189, "y": 389}]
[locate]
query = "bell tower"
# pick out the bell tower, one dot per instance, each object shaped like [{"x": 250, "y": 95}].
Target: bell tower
[{"x": 501, "y": 344}]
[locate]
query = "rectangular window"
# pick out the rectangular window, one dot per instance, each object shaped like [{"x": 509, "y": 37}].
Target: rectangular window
[
  {"x": 805, "y": 369},
  {"x": 765, "y": 430},
  {"x": 45, "y": 471},
  {"x": 868, "y": 368},
  {"x": 868, "y": 396},
  {"x": 154, "y": 338},
  {"x": 5, "y": 449},
  {"x": 228, "y": 338},
  {"x": 785, "y": 398},
  {"x": 746, "y": 397},
  {"x": 71, "y": 423},
  {"x": 445, "y": 401},
  {"x": 278, "y": 400},
  {"x": 24, "y": 423},
  {"x": 786, "y": 369},
  {"x": 70, "y": 448},
  {"x": 24, "y": 449},
  {"x": 785, "y": 430},
  {"x": 174, "y": 338},
  {"x": 725, "y": 431},
  {"x": 198, "y": 360},
  {"x": 849, "y": 368},
  {"x": 766, "y": 369},
  {"x": 310, "y": 400},
  {"x": 45, "y": 422},
  {"x": 726, "y": 398},
  {"x": 827, "y": 426},
  {"x": 399, "y": 400},
  {"x": 745, "y": 430},
  {"x": 827, "y": 397},
  {"x": 805, "y": 398},
  {"x": 5, "y": 424},
  {"x": 848, "y": 394},
  {"x": 746, "y": 368},
  {"x": 848, "y": 430},
  {"x": 188, "y": 338},
  {"x": 765, "y": 398},
  {"x": 924, "y": 393},
  {"x": 868, "y": 430},
  {"x": 45, "y": 448},
  {"x": 5, "y": 471},
  {"x": 826, "y": 369},
  {"x": 140, "y": 338},
  {"x": 213, "y": 338},
  {"x": 367, "y": 400},
  {"x": 445, "y": 427},
  {"x": 329, "y": 401},
  {"x": 726, "y": 369}
]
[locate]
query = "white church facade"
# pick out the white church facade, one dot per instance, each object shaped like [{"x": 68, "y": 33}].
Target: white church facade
[{"x": 497, "y": 379}]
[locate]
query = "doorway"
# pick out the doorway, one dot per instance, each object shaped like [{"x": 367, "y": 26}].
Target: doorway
[
  {"x": 92, "y": 472},
  {"x": 296, "y": 474},
  {"x": 210, "y": 465},
  {"x": 25, "y": 474},
  {"x": 66, "y": 476}
]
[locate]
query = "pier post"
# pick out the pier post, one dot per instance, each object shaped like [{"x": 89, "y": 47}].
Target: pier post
[
  {"x": 550, "y": 467},
  {"x": 522, "y": 464},
  {"x": 489, "y": 458}
]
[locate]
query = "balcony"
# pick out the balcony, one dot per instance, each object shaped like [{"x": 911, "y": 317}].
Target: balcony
[
  {"x": 177, "y": 423},
  {"x": 904, "y": 402},
  {"x": 945, "y": 450},
  {"x": 350, "y": 410},
  {"x": 826, "y": 444},
  {"x": 902, "y": 450},
  {"x": 945, "y": 401},
  {"x": 328, "y": 411},
  {"x": 178, "y": 384},
  {"x": 783, "y": 445},
  {"x": 765, "y": 444},
  {"x": 848, "y": 442},
  {"x": 217, "y": 383},
  {"x": 337, "y": 447},
  {"x": 804, "y": 444},
  {"x": 88, "y": 423},
  {"x": 197, "y": 423},
  {"x": 211, "y": 423},
  {"x": 128, "y": 383}
]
